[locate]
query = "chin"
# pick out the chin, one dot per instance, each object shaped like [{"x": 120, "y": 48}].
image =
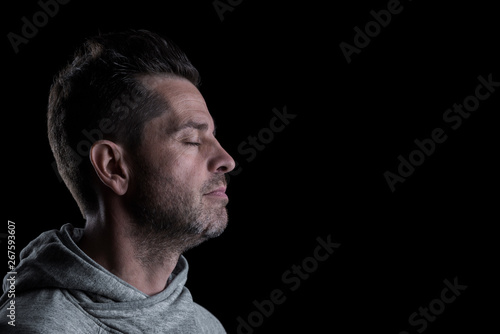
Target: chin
[
  {"x": 210, "y": 232},
  {"x": 216, "y": 225}
]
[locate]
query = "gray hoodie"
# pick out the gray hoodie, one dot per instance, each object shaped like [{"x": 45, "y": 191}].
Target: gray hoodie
[{"x": 59, "y": 289}]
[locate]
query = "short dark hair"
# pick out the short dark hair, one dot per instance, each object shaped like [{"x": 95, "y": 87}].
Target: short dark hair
[{"x": 101, "y": 94}]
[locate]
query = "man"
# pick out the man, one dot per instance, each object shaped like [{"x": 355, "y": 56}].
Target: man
[{"x": 151, "y": 185}]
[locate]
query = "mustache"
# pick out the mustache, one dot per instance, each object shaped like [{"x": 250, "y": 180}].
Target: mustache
[{"x": 216, "y": 181}]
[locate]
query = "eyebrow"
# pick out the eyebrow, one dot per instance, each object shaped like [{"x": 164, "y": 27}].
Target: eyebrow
[{"x": 195, "y": 125}]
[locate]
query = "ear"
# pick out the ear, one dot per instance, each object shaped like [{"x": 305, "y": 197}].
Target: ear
[{"x": 108, "y": 160}]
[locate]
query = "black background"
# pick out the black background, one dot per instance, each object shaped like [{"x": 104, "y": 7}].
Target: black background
[{"x": 323, "y": 174}]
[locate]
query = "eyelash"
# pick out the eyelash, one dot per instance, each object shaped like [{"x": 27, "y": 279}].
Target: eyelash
[{"x": 193, "y": 144}]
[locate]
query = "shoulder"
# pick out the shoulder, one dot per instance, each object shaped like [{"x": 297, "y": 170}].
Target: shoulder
[
  {"x": 207, "y": 320},
  {"x": 45, "y": 311}
]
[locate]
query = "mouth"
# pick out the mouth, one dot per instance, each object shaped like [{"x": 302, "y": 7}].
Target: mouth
[{"x": 218, "y": 193}]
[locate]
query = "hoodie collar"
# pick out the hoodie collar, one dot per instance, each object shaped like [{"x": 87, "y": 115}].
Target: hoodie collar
[{"x": 53, "y": 260}]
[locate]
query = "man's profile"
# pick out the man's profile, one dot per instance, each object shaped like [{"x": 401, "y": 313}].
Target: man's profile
[{"x": 151, "y": 186}]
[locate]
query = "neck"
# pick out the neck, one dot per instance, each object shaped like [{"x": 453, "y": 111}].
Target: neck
[{"x": 115, "y": 245}]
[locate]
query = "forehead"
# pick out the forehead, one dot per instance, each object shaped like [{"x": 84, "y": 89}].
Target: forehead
[{"x": 185, "y": 101}]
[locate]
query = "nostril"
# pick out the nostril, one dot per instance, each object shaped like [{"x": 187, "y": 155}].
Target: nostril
[{"x": 222, "y": 169}]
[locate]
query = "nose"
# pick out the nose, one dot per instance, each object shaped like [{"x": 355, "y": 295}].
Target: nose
[{"x": 221, "y": 161}]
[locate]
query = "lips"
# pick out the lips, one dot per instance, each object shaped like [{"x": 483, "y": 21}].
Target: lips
[{"x": 218, "y": 192}]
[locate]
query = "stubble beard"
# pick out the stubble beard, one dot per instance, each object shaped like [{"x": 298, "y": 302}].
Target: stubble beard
[{"x": 169, "y": 219}]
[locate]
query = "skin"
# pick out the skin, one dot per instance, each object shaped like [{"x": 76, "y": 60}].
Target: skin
[{"x": 156, "y": 203}]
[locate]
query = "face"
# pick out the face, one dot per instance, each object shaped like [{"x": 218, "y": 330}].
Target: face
[{"x": 178, "y": 183}]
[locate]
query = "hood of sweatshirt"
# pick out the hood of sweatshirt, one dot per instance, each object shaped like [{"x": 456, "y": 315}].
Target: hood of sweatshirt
[{"x": 54, "y": 261}]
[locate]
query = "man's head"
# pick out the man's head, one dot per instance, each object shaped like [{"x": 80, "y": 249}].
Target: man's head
[{"x": 127, "y": 125}]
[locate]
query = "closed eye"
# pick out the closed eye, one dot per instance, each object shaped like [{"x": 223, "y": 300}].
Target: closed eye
[{"x": 193, "y": 143}]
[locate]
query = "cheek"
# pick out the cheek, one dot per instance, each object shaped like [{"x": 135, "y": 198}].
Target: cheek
[
  {"x": 192, "y": 180},
  {"x": 188, "y": 171}
]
